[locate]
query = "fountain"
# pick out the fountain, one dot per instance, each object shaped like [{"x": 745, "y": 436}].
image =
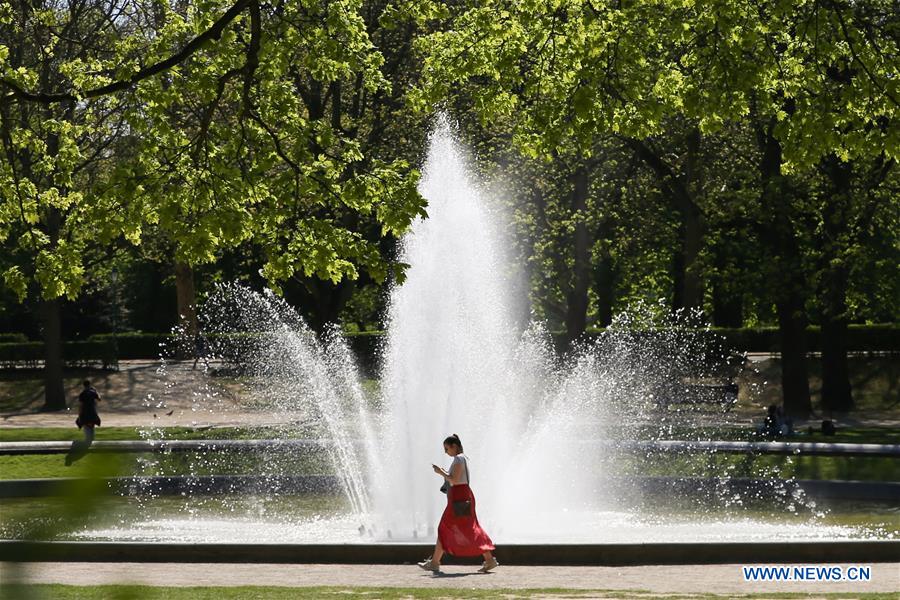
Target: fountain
[{"x": 544, "y": 435}]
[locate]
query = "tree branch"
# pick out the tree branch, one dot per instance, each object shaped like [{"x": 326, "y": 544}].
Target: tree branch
[
  {"x": 252, "y": 55},
  {"x": 849, "y": 39},
  {"x": 213, "y": 33},
  {"x": 670, "y": 181},
  {"x": 5, "y": 130}
]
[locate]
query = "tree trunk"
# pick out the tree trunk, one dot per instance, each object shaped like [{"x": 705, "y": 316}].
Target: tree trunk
[
  {"x": 332, "y": 302},
  {"x": 794, "y": 372},
  {"x": 604, "y": 287},
  {"x": 678, "y": 272},
  {"x": 681, "y": 188},
  {"x": 727, "y": 300},
  {"x": 837, "y": 394},
  {"x": 687, "y": 283},
  {"x": 788, "y": 281},
  {"x": 577, "y": 296},
  {"x": 322, "y": 301},
  {"x": 54, "y": 387},
  {"x": 605, "y": 266},
  {"x": 187, "y": 297},
  {"x": 692, "y": 296},
  {"x": 727, "y": 306},
  {"x": 791, "y": 319}
]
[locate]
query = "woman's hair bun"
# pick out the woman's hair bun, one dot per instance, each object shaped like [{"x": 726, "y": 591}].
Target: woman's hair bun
[{"x": 454, "y": 440}]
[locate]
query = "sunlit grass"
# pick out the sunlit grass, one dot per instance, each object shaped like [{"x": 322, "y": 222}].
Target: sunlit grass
[
  {"x": 317, "y": 462},
  {"x": 269, "y": 463},
  {"x": 761, "y": 466},
  {"x": 21, "y": 517},
  {"x": 49, "y": 434}
]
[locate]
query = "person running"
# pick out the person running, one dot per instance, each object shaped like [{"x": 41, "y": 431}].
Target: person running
[
  {"x": 88, "y": 418},
  {"x": 459, "y": 532}
]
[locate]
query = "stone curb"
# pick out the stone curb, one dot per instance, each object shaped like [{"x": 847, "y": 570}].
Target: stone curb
[
  {"x": 877, "y": 491},
  {"x": 711, "y": 446},
  {"x": 866, "y": 551}
]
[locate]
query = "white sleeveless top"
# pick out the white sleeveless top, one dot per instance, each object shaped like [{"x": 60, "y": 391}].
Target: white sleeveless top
[{"x": 463, "y": 462}]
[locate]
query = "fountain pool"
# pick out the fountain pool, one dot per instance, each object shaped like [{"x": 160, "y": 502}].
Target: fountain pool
[{"x": 458, "y": 359}]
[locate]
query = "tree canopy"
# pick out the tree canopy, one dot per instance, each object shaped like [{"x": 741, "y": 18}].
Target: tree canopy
[
  {"x": 725, "y": 156},
  {"x": 198, "y": 119}
]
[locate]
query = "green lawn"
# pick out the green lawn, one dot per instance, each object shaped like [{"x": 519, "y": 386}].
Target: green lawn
[
  {"x": 844, "y": 435},
  {"x": 198, "y": 463},
  {"x": 123, "y": 592},
  {"x": 181, "y": 463},
  {"x": 40, "y": 466},
  {"x": 50, "y": 434},
  {"x": 317, "y": 462},
  {"x": 863, "y": 468},
  {"x": 854, "y": 435},
  {"x": 224, "y": 463}
]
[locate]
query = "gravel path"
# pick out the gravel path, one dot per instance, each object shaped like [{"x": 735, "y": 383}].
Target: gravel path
[
  {"x": 689, "y": 579},
  {"x": 140, "y": 395}
]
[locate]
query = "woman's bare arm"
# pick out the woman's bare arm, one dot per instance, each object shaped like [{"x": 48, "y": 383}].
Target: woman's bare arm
[{"x": 455, "y": 476}]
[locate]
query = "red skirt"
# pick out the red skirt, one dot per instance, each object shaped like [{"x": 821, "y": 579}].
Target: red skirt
[{"x": 462, "y": 535}]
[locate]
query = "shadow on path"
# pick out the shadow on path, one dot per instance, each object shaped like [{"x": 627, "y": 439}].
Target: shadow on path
[{"x": 442, "y": 575}]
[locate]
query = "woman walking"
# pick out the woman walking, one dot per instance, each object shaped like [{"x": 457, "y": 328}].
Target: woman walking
[
  {"x": 459, "y": 532},
  {"x": 87, "y": 420}
]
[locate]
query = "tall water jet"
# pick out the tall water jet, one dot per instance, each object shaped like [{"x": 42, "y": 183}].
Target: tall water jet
[
  {"x": 535, "y": 427},
  {"x": 455, "y": 362},
  {"x": 450, "y": 342}
]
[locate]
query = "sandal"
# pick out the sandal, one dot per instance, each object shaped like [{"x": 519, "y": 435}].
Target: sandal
[
  {"x": 488, "y": 565},
  {"x": 429, "y": 566}
]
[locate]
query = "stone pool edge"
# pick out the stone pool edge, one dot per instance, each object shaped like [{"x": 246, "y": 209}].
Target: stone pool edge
[{"x": 861, "y": 551}]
